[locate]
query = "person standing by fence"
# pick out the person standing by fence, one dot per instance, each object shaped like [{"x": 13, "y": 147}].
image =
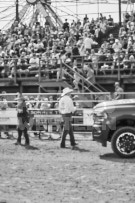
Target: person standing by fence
[
  {"x": 66, "y": 108},
  {"x": 118, "y": 94},
  {"x": 23, "y": 121}
]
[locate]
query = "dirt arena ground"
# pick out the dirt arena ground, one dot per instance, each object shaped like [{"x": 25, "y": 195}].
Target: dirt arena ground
[{"x": 47, "y": 174}]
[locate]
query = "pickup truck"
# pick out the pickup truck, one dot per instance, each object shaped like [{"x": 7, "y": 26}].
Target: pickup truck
[{"x": 114, "y": 121}]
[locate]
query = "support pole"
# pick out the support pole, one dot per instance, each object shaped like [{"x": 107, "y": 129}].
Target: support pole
[
  {"x": 120, "y": 12},
  {"x": 17, "y": 10},
  {"x": 98, "y": 7},
  {"x": 76, "y": 10}
]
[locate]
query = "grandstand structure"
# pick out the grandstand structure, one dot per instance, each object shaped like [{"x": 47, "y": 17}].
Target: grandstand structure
[{"x": 104, "y": 82}]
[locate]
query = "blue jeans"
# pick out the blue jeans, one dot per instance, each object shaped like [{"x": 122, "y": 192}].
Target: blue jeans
[{"x": 67, "y": 129}]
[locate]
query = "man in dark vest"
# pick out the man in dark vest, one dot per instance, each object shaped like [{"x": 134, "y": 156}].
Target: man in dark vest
[{"x": 23, "y": 121}]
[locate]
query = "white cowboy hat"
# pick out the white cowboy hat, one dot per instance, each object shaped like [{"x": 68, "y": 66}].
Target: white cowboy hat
[{"x": 66, "y": 91}]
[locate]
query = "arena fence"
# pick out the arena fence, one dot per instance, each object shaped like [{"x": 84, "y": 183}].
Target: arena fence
[{"x": 45, "y": 120}]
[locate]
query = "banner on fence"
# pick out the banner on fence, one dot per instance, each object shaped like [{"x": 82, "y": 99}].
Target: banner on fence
[
  {"x": 42, "y": 117},
  {"x": 8, "y": 117}
]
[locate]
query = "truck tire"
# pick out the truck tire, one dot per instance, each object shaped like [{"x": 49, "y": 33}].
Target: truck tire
[{"x": 123, "y": 142}]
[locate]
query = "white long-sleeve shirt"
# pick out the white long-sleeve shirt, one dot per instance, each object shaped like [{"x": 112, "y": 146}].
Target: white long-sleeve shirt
[
  {"x": 66, "y": 105},
  {"x": 88, "y": 43}
]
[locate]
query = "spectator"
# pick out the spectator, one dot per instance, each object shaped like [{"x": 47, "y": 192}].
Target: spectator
[
  {"x": 6, "y": 70},
  {"x": 31, "y": 103},
  {"x": 118, "y": 94},
  {"x": 122, "y": 31},
  {"x": 85, "y": 19},
  {"x": 89, "y": 72},
  {"x": 94, "y": 60},
  {"x": 88, "y": 43},
  {"x": 110, "y": 21},
  {"x": 132, "y": 63},
  {"x": 77, "y": 77},
  {"x": 23, "y": 121},
  {"x": 45, "y": 104},
  {"x": 124, "y": 43},
  {"x": 126, "y": 63},
  {"x": 66, "y": 25},
  {"x": 130, "y": 49},
  {"x": 68, "y": 48},
  {"x": 34, "y": 62},
  {"x": 22, "y": 65},
  {"x": 104, "y": 46},
  {"x": 108, "y": 65},
  {"x": 126, "y": 17},
  {"x": 75, "y": 52},
  {"x": 117, "y": 46},
  {"x": 38, "y": 103},
  {"x": 111, "y": 39}
]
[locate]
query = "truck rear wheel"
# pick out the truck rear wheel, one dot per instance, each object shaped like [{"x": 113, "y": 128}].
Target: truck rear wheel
[{"x": 123, "y": 142}]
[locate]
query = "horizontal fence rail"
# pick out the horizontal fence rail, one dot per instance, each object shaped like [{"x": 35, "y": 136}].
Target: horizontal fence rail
[{"x": 47, "y": 121}]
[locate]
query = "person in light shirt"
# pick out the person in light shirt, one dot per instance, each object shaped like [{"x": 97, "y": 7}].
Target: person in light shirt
[
  {"x": 117, "y": 46},
  {"x": 118, "y": 94},
  {"x": 34, "y": 62},
  {"x": 88, "y": 42},
  {"x": 66, "y": 109}
]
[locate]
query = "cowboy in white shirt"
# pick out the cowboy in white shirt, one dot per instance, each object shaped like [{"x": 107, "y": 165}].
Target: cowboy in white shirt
[{"x": 66, "y": 108}]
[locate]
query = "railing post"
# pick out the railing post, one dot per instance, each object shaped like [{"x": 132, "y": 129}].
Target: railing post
[
  {"x": 60, "y": 69},
  {"x": 15, "y": 70},
  {"x": 47, "y": 65},
  {"x": 21, "y": 88},
  {"x": 39, "y": 78},
  {"x": 118, "y": 66}
]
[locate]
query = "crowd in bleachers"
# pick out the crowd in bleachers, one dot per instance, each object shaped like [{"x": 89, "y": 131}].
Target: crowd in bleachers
[{"x": 25, "y": 50}]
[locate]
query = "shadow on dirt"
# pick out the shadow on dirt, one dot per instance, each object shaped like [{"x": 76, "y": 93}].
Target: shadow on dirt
[
  {"x": 30, "y": 147},
  {"x": 80, "y": 149},
  {"x": 114, "y": 158}
]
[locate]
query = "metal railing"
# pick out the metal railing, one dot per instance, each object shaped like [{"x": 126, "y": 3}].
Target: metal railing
[{"x": 46, "y": 68}]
